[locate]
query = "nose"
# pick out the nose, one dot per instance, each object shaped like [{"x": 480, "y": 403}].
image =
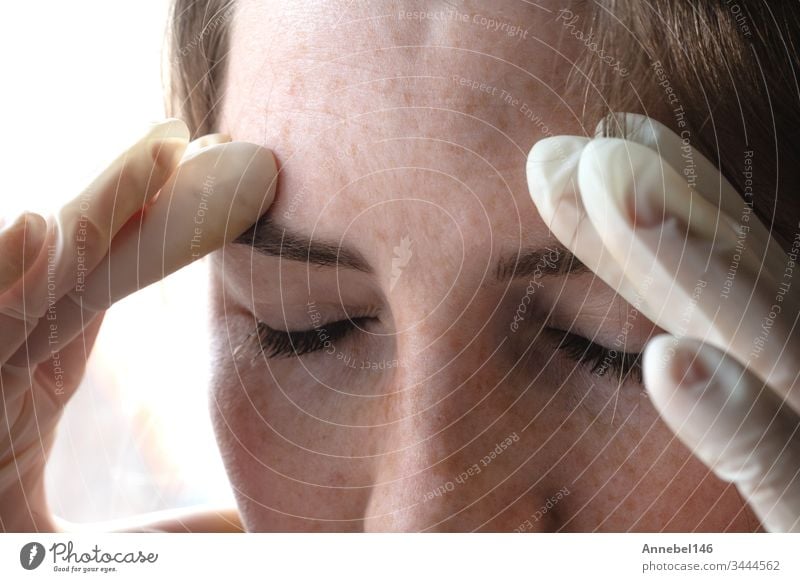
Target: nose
[{"x": 454, "y": 442}]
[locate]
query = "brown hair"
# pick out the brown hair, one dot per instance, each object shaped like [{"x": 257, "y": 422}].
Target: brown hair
[
  {"x": 730, "y": 65},
  {"x": 198, "y": 40}
]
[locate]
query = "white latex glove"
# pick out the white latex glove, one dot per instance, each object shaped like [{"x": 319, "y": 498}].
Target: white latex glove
[
  {"x": 158, "y": 207},
  {"x": 659, "y": 223}
]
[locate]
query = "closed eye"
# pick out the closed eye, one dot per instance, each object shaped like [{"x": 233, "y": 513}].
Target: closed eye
[
  {"x": 599, "y": 359},
  {"x": 276, "y": 344}
]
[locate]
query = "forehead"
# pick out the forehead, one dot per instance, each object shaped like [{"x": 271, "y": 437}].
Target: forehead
[{"x": 399, "y": 114}]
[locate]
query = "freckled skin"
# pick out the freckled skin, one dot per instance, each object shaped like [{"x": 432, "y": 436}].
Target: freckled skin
[{"x": 379, "y": 139}]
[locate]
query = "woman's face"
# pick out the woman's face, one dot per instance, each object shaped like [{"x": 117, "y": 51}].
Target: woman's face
[{"x": 446, "y": 403}]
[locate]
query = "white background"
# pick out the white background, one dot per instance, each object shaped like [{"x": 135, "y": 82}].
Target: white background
[
  {"x": 403, "y": 557},
  {"x": 81, "y": 81}
]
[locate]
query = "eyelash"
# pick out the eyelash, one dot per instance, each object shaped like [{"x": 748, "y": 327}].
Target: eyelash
[
  {"x": 277, "y": 344},
  {"x": 598, "y": 359}
]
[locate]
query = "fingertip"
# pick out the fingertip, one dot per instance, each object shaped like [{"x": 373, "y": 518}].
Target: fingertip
[
  {"x": 627, "y": 185},
  {"x": 239, "y": 163},
  {"x": 170, "y": 128},
  {"x": 631, "y": 126},
  {"x": 670, "y": 362},
  {"x": 655, "y": 359},
  {"x": 237, "y": 179},
  {"x": 211, "y": 198},
  {"x": 259, "y": 173},
  {"x": 681, "y": 377},
  {"x": 551, "y": 165},
  {"x": 552, "y": 178},
  {"x": 165, "y": 142},
  {"x": 557, "y": 148},
  {"x": 205, "y": 141}
]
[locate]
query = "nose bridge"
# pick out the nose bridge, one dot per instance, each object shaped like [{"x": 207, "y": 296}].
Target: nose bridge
[
  {"x": 441, "y": 348},
  {"x": 435, "y": 399}
]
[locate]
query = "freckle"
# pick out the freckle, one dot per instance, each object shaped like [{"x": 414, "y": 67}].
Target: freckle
[{"x": 338, "y": 84}]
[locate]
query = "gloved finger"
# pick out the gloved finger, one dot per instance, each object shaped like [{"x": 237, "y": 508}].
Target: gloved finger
[
  {"x": 677, "y": 249},
  {"x": 79, "y": 234},
  {"x": 732, "y": 422},
  {"x": 29, "y": 416},
  {"x": 552, "y": 179},
  {"x": 122, "y": 189},
  {"x": 678, "y": 153},
  {"x": 213, "y": 197},
  {"x": 20, "y": 244},
  {"x": 703, "y": 178},
  {"x": 552, "y": 173},
  {"x": 86, "y": 225},
  {"x": 204, "y": 141},
  {"x": 62, "y": 379}
]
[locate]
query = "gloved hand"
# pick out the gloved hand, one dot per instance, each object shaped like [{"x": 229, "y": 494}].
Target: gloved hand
[
  {"x": 658, "y": 222},
  {"x": 158, "y": 207}
]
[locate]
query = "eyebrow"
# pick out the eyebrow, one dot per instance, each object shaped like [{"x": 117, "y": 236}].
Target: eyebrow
[
  {"x": 272, "y": 239},
  {"x": 551, "y": 261}
]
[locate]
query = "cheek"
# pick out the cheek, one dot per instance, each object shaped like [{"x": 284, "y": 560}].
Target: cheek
[
  {"x": 632, "y": 474},
  {"x": 290, "y": 471},
  {"x": 231, "y": 411},
  {"x": 228, "y": 406}
]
